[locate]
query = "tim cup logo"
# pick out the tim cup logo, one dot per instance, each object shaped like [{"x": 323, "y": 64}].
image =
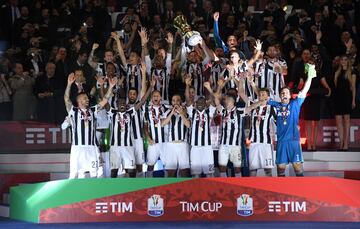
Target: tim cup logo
[
  {"x": 155, "y": 206},
  {"x": 245, "y": 205}
]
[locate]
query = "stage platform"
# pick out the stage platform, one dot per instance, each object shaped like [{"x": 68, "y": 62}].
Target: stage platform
[{"x": 259, "y": 199}]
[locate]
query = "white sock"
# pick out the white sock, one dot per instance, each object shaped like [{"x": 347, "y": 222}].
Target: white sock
[
  {"x": 223, "y": 174},
  {"x": 196, "y": 175},
  {"x": 237, "y": 174},
  {"x": 140, "y": 174},
  {"x": 253, "y": 173}
]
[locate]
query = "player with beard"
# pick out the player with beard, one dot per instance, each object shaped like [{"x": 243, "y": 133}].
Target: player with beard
[
  {"x": 288, "y": 136},
  {"x": 231, "y": 43},
  {"x": 230, "y": 147},
  {"x": 238, "y": 67},
  {"x": 217, "y": 67},
  {"x": 195, "y": 67},
  {"x": 261, "y": 154},
  {"x": 84, "y": 154},
  {"x": 132, "y": 66},
  {"x": 271, "y": 71},
  {"x": 124, "y": 126},
  {"x": 160, "y": 67},
  {"x": 201, "y": 154},
  {"x": 177, "y": 148},
  {"x": 153, "y": 131}
]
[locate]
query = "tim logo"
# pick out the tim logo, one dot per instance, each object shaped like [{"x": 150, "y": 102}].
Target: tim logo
[
  {"x": 155, "y": 206},
  {"x": 245, "y": 205},
  {"x": 287, "y": 206}
]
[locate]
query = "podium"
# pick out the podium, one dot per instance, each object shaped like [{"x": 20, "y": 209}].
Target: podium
[{"x": 201, "y": 199}]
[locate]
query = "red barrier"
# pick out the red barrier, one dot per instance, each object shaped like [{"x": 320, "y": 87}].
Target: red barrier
[{"x": 222, "y": 199}]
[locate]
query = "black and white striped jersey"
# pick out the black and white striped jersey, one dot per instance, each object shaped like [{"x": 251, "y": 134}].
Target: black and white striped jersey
[
  {"x": 200, "y": 125},
  {"x": 242, "y": 69},
  {"x": 177, "y": 131},
  {"x": 261, "y": 119},
  {"x": 268, "y": 78},
  {"x": 217, "y": 70},
  {"x": 121, "y": 127},
  {"x": 232, "y": 121},
  {"x": 133, "y": 77},
  {"x": 162, "y": 76},
  {"x": 137, "y": 123},
  {"x": 196, "y": 71},
  {"x": 152, "y": 117},
  {"x": 83, "y": 125}
]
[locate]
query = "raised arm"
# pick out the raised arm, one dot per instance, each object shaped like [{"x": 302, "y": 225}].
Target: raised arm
[
  {"x": 120, "y": 48},
  {"x": 208, "y": 52},
  {"x": 257, "y": 54},
  {"x": 143, "y": 79},
  {"x": 218, "y": 41},
  {"x": 146, "y": 95},
  {"x": 101, "y": 81},
  {"x": 188, "y": 80},
  {"x": 70, "y": 81},
  {"x": 91, "y": 61},
  {"x": 134, "y": 27},
  {"x": 353, "y": 90},
  {"x": 170, "y": 40},
  {"x": 112, "y": 83},
  {"x": 241, "y": 92},
  {"x": 311, "y": 73},
  {"x": 145, "y": 56}
]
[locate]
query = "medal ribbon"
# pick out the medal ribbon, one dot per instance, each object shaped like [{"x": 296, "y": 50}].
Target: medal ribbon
[
  {"x": 155, "y": 117},
  {"x": 263, "y": 113}
]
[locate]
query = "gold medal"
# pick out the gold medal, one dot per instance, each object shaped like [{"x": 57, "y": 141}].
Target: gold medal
[{"x": 156, "y": 125}]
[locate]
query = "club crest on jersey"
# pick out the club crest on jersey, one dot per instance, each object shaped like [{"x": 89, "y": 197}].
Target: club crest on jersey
[
  {"x": 245, "y": 205},
  {"x": 155, "y": 206}
]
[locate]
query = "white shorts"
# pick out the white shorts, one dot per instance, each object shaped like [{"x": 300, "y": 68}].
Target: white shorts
[
  {"x": 122, "y": 157},
  {"x": 176, "y": 155},
  {"x": 201, "y": 160},
  {"x": 230, "y": 153},
  {"x": 84, "y": 159},
  {"x": 154, "y": 152},
  {"x": 261, "y": 156},
  {"x": 139, "y": 151}
]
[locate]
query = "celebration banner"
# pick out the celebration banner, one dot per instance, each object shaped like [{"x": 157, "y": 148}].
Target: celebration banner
[{"x": 170, "y": 199}]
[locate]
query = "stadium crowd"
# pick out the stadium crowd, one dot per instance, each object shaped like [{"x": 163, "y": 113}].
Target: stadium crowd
[{"x": 50, "y": 48}]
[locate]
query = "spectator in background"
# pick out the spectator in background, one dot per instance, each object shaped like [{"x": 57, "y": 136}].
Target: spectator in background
[
  {"x": 8, "y": 15},
  {"x": 311, "y": 110},
  {"x": 81, "y": 64},
  {"x": 24, "y": 105},
  {"x": 80, "y": 86},
  {"x": 45, "y": 90},
  {"x": 5, "y": 100},
  {"x": 344, "y": 100}
]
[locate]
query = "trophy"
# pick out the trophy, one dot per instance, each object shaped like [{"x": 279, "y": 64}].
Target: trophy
[{"x": 192, "y": 38}]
